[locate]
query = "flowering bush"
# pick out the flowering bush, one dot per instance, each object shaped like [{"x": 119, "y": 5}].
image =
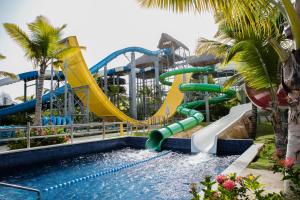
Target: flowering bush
[
  {"x": 290, "y": 172},
  {"x": 232, "y": 187}
]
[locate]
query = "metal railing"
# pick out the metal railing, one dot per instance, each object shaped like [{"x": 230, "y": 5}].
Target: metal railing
[
  {"x": 75, "y": 130},
  {"x": 19, "y": 187}
]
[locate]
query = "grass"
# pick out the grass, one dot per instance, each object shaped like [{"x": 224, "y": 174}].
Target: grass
[
  {"x": 265, "y": 135},
  {"x": 140, "y": 134}
]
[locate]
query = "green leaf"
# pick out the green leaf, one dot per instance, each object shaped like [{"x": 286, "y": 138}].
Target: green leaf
[{"x": 8, "y": 74}]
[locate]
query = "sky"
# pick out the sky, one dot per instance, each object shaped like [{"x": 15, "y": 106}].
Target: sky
[{"x": 101, "y": 26}]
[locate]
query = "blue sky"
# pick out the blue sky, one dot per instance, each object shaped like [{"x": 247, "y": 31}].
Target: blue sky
[{"x": 101, "y": 26}]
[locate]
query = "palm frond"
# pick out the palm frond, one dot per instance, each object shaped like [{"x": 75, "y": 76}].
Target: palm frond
[
  {"x": 280, "y": 51},
  {"x": 251, "y": 64},
  {"x": 57, "y": 64},
  {"x": 44, "y": 35},
  {"x": 240, "y": 14},
  {"x": 236, "y": 78},
  {"x": 17, "y": 34},
  {"x": 62, "y": 53},
  {"x": 2, "y": 57},
  {"x": 8, "y": 74},
  {"x": 21, "y": 98},
  {"x": 66, "y": 51},
  {"x": 205, "y": 46}
]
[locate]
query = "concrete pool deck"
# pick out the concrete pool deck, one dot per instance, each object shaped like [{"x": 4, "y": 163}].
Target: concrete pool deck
[{"x": 270, "y": 181}]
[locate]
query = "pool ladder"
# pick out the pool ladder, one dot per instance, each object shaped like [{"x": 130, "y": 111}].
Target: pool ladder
[{"x": 22, "y": 188}]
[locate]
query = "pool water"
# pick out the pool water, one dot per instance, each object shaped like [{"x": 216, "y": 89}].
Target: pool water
[{"x": 165, "y": 177}]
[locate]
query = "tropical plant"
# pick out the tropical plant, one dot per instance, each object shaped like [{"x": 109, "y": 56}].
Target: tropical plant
[
  {"x": 4, "y": 73},
  {"x": 42, "y": 46},
  {"x": 255, "y": 59},
  {"x": 232, "y": 187},
  {"x": 248, "y": 187},
  {"x": 255, "y": 11},
  {"x": 28, "y": 98}
]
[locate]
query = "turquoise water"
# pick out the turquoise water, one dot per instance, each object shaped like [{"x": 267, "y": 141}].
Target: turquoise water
[{"x": 122, "y": 174}]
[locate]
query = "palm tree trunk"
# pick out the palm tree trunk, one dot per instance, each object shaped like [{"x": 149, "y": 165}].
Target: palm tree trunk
[
  {"x": 291, "y": 83},
  {"x": 253, "y": 124},
  {"x": 280, "y": 135},
  {"x": 291, "y": 76},
  {"x": 39, "y": 93}
]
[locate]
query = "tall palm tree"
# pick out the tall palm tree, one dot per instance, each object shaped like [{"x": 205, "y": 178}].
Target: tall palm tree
[{"x": 42, "y": 46}]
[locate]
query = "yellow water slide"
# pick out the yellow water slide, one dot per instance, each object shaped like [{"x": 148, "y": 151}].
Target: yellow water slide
[{"x": 78, "y": 75}]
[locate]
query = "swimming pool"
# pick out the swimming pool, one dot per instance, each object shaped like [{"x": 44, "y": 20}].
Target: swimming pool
[{"x": 122, "y": 174}]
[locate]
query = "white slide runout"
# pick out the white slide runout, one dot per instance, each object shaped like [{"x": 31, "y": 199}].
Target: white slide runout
[{"x": 205, "y": 140}]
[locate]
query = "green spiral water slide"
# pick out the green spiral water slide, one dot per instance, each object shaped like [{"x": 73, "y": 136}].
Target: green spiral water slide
[{"x": 194, "y": 117}]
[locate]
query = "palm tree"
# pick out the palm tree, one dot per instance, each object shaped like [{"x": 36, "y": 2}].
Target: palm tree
[
  {"x": 254, "y": 58},
  {"x": 254, "y": 11},
  {"x": 42, "y": 46},
  {"x": 241, "y": 15}
]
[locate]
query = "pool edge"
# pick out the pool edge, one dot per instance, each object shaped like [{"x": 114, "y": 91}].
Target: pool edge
[{"x": 27, "y": 157}]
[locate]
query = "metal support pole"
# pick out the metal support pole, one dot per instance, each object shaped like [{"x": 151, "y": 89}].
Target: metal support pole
[
  {"x": 87, "y": 104},
  {"x": 103, "y": 130},
  {"x": 28, "y": 135},
  {"x": 121, "y": 129},
  {"x": 51, "y": 91},
  {"x": 105, "y": 80},
  {"x": 70, "y": 103},
  {"x": 66, "y": 90},
  {"x": 185, "y": 94},
  {"x": 206, "y": 101},
  {"x": 25, "y": 91},
  {"x": 72, "y": 133},
  {"x": 144, "y": 95},
  {"x": 132, "y": 87},
  {"x": 127, "y": 128},
  {"x": 36, "y": 86},
  {"x": 118, "y": 95},
  {"x": 173, "y": 54},
  {"x": 156, "y": 77}
]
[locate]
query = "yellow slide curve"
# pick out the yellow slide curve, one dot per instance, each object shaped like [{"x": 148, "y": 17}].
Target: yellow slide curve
[{"x": 78, "y": 75}]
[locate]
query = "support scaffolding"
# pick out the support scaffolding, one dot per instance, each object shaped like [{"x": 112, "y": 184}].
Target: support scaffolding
[{"x": 68, "y": 104}]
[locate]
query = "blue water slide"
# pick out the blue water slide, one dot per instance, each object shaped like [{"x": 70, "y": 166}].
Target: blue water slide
[{"x": 29, "y": 105}]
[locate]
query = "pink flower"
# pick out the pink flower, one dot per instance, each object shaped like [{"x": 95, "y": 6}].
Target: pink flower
[
  {"x": 221, "y": 178},
  {"x": 229, "y": 185},
  {"x": 288, "y": 162}
]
